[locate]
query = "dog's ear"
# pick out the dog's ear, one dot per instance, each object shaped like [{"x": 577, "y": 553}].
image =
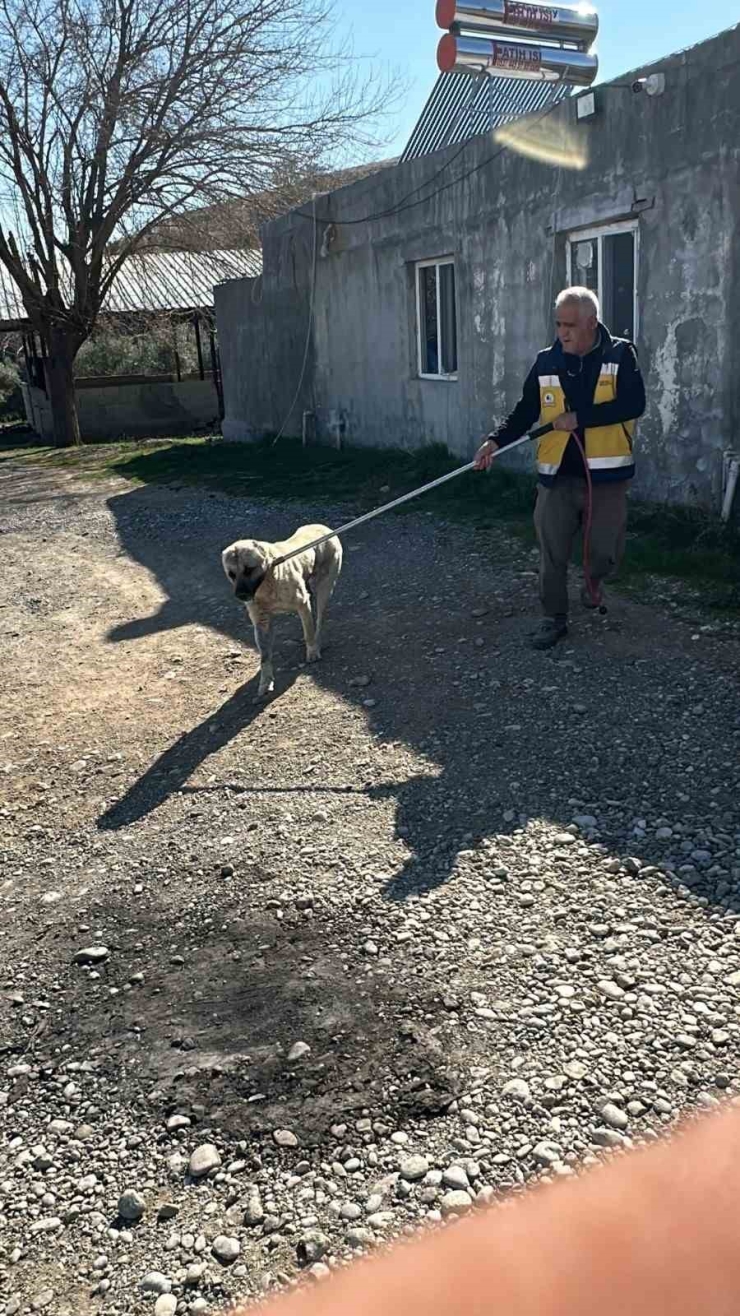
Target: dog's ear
[
  {"x": 229, "y": 561},
  {"x": 258, "y": 556}
]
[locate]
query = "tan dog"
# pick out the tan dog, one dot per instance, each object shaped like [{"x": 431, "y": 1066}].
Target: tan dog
[{"x": 269, "y": 591}]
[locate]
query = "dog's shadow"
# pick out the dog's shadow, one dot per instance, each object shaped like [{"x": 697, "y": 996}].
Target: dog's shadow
[{"x": 169, "y": 773}]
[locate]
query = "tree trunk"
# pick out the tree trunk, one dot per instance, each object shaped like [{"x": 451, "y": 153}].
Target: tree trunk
[{"x": 61, "y": 384}]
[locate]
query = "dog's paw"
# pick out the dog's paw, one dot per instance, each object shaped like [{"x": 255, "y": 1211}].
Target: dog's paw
[
  {"x": 313, "y": 655},
  {"x": 264, "y": 691}
]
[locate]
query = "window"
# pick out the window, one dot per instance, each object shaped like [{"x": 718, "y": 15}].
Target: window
[
  {"x": 605, "y": 260},
  {"x": 436, "y": 318}
]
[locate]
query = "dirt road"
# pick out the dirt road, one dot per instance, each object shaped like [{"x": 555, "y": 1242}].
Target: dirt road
[{"x": 442, "y": 916}]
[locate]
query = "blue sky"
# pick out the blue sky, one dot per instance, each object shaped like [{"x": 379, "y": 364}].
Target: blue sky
[{"x": 632, "y": 32}]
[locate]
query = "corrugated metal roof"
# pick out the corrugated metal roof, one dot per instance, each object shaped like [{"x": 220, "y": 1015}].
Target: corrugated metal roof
[
  {"x": 156, "y": 281},
  {"x": 462, "y": 106}
]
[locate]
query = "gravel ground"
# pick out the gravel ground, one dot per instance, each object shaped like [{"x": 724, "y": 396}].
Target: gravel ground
[{"x": 279, "y": 982}]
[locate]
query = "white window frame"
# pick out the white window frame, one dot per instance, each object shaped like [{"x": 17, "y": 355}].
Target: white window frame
[
  {"x": 421, "y": 318},
  {"x": 599, "y": 231}
]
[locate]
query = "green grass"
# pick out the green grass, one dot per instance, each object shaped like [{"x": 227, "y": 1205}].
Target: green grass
[{"x": 674, "y": 543}]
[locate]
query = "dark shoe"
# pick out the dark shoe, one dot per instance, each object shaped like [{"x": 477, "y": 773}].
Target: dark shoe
[{"x": 551, "y": 630}]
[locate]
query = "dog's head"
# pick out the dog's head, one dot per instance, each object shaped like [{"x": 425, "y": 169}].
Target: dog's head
[{"x": 245, "y": 564}]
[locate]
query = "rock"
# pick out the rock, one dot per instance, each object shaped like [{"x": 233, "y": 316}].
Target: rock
[
  {"x": 131, "y": 1205},
  {"x": 311, "y": 1247},
  {"x": 685, "y": 1041},
  {"x": 254, "y": 1212},
  {"x": 91, "y": 955},
  {"x": 167, "y": 1211},
  {"x": 455, "y": 1177},
  {"x": 298, "y": 1051},
  {"x": 359, "y": 1237},
  {"x": 204, "y": 1160},
  {"x": 166, "y": 1305},
  {"x": 225, "y": 1249},
  {"x": 414, "y": 1168},
  {"x": 46, "y": 1225},
  {"x": 517, "y": 1089},
  {"x": 546, "y": 1153},
  {"x": 456, "y": 1203},
  {"x": 155, "y": 1282},
  {"x": 61, "y": 1126},
  {"x": 380, "y": 1219},
  {"x": 42, "y": 1300},
  {"x": 611, "y": 989},
  {"x": 350, "y": 1212},
  {"x": 176, "y": 1122},
  {"x": 613, "y": 1116},
  {"x": 575, "y": 1069},
  {"x": 565, "y": 838},
  {"x": 607, "y": 1138},
  {"x": 285, "y": 1138}
]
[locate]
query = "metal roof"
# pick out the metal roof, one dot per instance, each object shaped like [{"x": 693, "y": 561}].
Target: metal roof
[
  {"x": 155, "y": 281},
  {"x": 462, "y": 106}
]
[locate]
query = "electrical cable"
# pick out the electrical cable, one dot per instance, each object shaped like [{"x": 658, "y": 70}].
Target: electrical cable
[{"x": 309, "y": 326}]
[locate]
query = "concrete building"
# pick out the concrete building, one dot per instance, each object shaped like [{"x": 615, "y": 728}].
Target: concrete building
[
  {"x": 406, "y": 309},
  {"x": 151, "y": 288}
]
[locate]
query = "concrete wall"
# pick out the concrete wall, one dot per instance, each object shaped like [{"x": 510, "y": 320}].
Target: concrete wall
[
  {"x": 140, "y": 406},
  {"x": 671, "y": 161}
]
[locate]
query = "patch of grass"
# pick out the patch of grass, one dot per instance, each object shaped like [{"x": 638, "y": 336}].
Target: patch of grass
[
  {"x": 686, "y": 545},
  {"x": 663, "y": 541},
  {"x": 94, "y": 459},
  {"x": 360, "y": 477},
  {"x": 29, "y": 453}
]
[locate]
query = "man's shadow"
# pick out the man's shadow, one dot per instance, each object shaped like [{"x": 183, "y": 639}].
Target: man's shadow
[
  {"x": 498, "y": 748},
  {"x": 420, "y": 804}
]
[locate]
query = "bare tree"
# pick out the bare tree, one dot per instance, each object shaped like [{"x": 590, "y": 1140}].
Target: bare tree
[{"x": 115, "y": 114}]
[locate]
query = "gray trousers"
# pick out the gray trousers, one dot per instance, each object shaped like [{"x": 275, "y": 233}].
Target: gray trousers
[{"x": 559, "y": 515}]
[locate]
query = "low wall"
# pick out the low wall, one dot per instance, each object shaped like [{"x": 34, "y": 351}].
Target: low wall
[{"x": 137, "y": 406}]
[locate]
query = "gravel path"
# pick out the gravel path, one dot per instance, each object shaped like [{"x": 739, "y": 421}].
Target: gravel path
[{"x": 279, "y": 982}]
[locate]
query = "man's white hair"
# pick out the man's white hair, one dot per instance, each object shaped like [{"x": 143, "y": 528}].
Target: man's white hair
[{"x": 586, "y": 299}]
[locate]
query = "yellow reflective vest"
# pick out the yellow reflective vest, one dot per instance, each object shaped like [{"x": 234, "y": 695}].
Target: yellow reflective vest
[{"x": 608, "y": 447}]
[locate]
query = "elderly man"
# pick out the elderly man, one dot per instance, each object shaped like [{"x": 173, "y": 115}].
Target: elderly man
[{"x": 588, "y": 386}]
